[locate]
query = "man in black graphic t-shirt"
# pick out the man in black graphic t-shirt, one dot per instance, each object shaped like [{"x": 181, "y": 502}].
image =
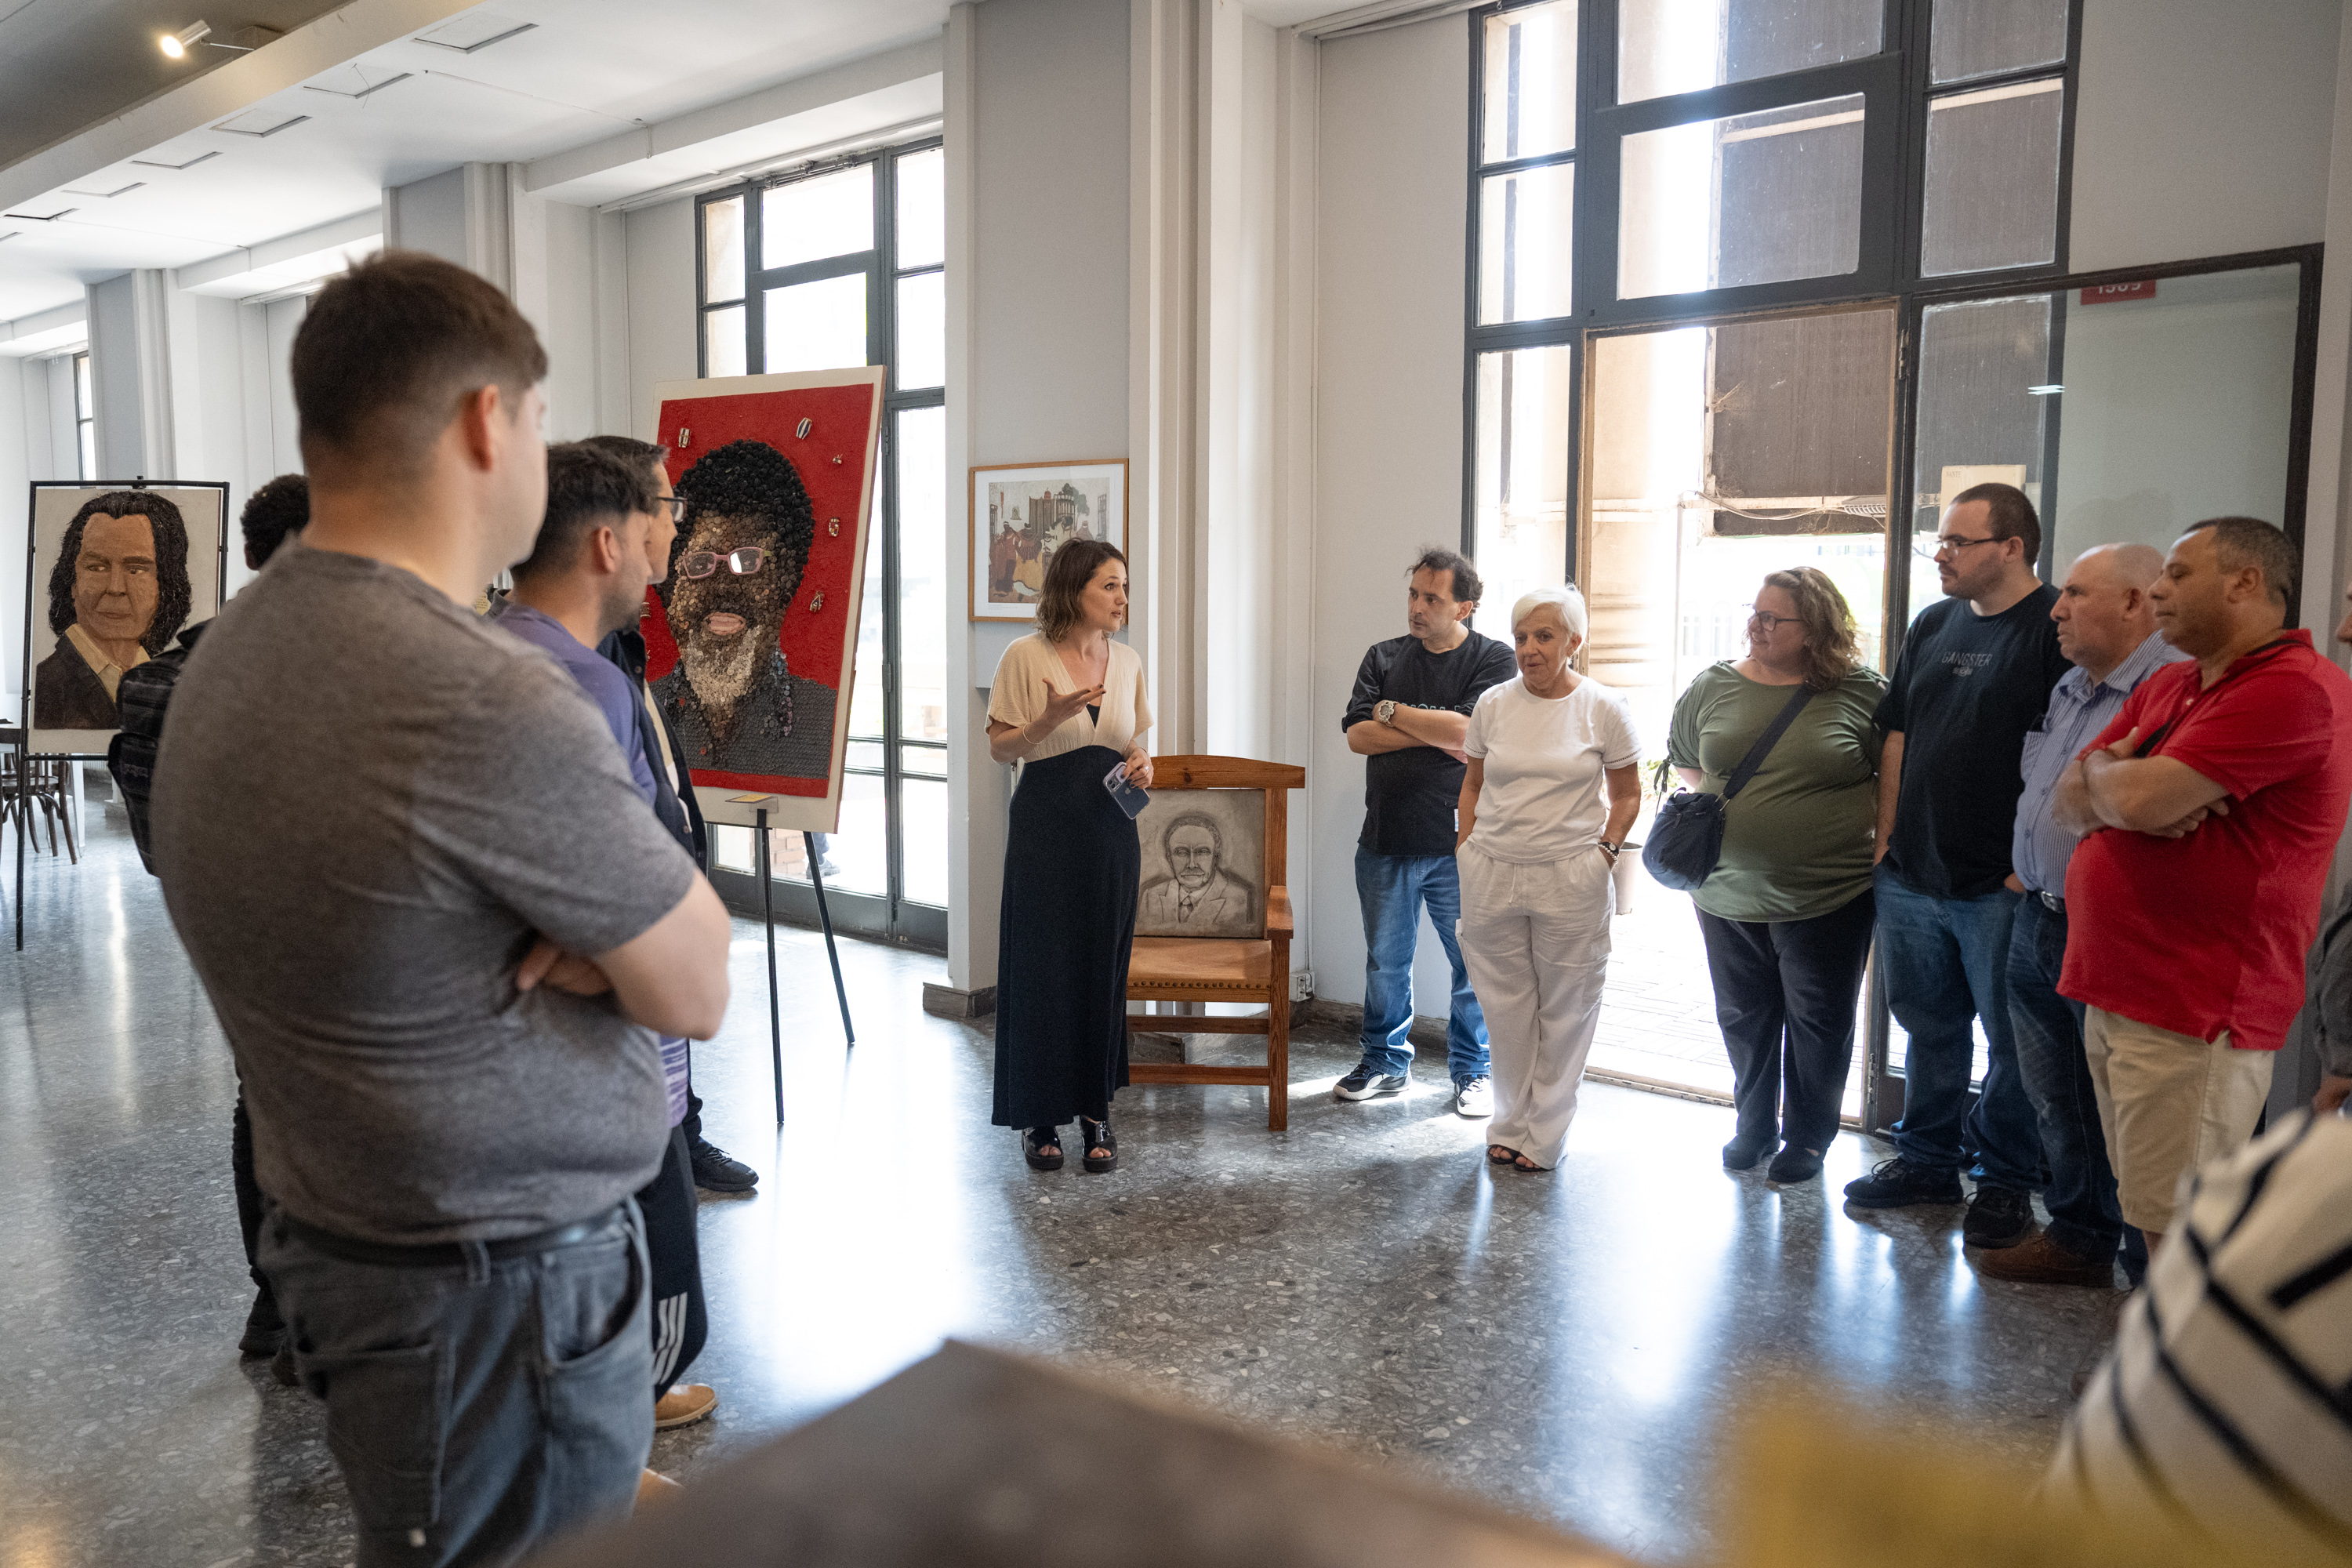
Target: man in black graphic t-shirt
[
  {"x": 1412, "y": 702},
  {"x": 1974, "y": 676}
]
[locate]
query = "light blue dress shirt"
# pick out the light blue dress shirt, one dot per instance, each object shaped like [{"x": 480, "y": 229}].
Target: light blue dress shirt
[{"x": 2039, "y": 847}]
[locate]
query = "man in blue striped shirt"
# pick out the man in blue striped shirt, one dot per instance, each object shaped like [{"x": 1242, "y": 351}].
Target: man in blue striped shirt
[{"x": 2107, "y": 627}]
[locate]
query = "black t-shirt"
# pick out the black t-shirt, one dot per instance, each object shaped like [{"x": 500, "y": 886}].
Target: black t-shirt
[
  {"x": 1966, "y": 688},
  {"x": 1409, "y": 795}
]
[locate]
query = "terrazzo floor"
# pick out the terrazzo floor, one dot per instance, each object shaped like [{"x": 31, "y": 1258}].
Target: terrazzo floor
[{"x": 1572, "y": 1344}]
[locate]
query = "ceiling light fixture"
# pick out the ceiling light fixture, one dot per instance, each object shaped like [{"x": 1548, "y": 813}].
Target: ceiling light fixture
[
  {"x": 244, "y": 41},
  {"x": 2043, "y": 391}
]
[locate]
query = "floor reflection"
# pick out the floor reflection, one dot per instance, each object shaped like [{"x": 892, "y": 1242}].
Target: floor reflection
[{"x": 1569, "y": 1343}]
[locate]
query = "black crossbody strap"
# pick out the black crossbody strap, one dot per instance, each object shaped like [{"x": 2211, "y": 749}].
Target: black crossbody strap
[{"x": 1765, "y": 743}]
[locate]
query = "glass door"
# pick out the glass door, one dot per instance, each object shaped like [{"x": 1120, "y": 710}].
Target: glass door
[
  {"x": 846, "y": 266},
  {"x": 1718, "y": 452}
]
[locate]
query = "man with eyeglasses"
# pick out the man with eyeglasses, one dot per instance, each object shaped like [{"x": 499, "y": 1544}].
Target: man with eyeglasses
[
  {"x": 715, "y": 1169},
  {"x": 1974, "y": 676},
  {"x": 734, "y": 701}
]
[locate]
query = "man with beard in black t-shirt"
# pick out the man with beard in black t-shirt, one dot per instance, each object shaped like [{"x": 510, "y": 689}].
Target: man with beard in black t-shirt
[
  {"x": 1974, "y": 676},
  {"x": 1406, "y": 718}
]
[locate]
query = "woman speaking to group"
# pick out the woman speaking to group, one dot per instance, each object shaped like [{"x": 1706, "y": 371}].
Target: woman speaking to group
[
  {"x": 1552, "y": 789},
  {"x": 1787, "y": 911},
  {"x": 1068, "y": 703}
]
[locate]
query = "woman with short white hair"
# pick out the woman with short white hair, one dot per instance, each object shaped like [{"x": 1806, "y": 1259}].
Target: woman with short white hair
[{"x": 1553, "y": 788}]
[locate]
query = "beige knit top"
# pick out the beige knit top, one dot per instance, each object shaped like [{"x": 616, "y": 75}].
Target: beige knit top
[{"x": 1029, "y": 667}]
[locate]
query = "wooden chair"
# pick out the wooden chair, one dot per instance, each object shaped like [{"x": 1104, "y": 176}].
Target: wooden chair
[{"x": 1214, "y": 969}]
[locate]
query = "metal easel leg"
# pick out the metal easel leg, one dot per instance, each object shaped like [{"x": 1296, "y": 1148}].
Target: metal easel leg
[
  {"x": 775, "y": 1010},
  {"x": 824, "y": 918}
]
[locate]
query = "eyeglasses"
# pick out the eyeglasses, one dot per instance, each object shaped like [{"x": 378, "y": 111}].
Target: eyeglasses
[
  {"x": 1769, "y": 621},
  {"x": 677, "y": 505},
  {"x": 1950, "y": 544},
  {"x": 703, "y": 563}
]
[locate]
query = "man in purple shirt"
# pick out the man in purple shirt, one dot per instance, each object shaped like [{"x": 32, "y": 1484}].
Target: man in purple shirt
[{"x": 585, "y": 579}]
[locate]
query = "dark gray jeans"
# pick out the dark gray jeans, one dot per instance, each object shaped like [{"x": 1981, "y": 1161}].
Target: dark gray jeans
[{"x": 477, "y": 1409}]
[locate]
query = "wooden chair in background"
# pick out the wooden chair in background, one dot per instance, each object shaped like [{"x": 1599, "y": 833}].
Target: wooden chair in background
[{"x": 1217, "y": 969}]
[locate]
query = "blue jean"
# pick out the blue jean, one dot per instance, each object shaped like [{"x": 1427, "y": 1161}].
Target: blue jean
[
  {"x": 2081, "y": 1197},
  {"x": 1393, "y": 889},
  {"x": 1947, "y": 964},
  {"x": 476, "y": 1409}
]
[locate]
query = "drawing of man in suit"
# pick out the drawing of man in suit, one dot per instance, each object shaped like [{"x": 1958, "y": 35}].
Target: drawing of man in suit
[{"x": 1198, "y": 896}]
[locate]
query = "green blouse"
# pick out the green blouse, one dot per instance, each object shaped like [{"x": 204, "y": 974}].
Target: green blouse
[{"x": 1797, "y": 840}]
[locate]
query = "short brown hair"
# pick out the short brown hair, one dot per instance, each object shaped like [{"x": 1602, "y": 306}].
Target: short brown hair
[
  {"x": 389, "y": 349},
  {"x": 1073, "y": 566},
  {"x": 1831, "y": 652},
  {"x": 2242, "y": 542},
  {"x": 2011, "y": 515},
  {"x": 587, "y": 489}
]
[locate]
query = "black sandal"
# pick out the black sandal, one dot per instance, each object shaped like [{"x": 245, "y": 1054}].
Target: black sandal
[
  {"x": 1033, "y": 1140},
  {"x": 1098, "y": 1135}
]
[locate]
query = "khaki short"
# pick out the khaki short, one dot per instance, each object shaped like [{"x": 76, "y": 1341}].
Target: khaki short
[{"x": 2168, "y": 1104}]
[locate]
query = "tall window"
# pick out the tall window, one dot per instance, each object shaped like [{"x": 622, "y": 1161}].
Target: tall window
[
  {"x": 85, "y": 421},
  {"x": 845, "y": 265},
  {"x": 1761, "y": 283}
]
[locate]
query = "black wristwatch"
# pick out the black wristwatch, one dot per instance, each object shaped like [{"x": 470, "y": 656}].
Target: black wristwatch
[{"x": 1614, "y": 850}]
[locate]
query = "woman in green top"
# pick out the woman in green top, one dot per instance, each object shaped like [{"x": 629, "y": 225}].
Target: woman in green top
[{"x": 1787, "y": 911}]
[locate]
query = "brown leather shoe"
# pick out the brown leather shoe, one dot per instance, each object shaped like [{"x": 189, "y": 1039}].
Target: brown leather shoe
[
  {"x": 2039, "y": 1260},
  {"x": 684, "y": 1406}
]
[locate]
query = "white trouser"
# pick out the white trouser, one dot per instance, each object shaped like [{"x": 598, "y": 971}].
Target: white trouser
[{"x": 1536, "y": 942}]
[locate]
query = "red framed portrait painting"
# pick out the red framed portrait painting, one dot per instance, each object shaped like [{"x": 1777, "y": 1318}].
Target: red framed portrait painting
[{"x": 751, "y": 638}]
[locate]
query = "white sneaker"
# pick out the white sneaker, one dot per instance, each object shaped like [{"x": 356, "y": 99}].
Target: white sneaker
[{"x": 1475, "y": 1099}]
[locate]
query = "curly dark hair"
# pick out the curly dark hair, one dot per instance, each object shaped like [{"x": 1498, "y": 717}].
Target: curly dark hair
[
  {"x": 281, "y": 508},
  {"x": 174, "y": 594},
  {"x": 753, "y": 480}
]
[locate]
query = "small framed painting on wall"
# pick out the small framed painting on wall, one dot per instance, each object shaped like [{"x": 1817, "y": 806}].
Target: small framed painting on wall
[{"x": 1022, "y": 512}]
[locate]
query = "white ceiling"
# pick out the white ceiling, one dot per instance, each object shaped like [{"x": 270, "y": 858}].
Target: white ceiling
[
  {"x": 585, "y": 71},
  {"x": 636, "y": 95}
]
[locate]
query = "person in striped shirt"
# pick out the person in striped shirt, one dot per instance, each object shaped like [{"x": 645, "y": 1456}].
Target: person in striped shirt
[{"x": 2224, "y": 1412}]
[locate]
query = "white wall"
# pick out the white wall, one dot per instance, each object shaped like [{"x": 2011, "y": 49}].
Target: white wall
[
  {"x": 114, "y": 381},
  {"x": 24, "y": 388},
  {"x": 660, "y": 268},
  {"x": 2203, "y": 129},
  {"x": 567, "y": 320},
  {"x": 1047, "y": 331},
  {"x": 1388, "y": 425}
]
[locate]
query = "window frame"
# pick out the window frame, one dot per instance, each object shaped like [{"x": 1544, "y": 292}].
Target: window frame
[
  {"x": 893, "y": 916},
  {"x": 80, "y": 368},
  {"x": 1897, "y": 98}
]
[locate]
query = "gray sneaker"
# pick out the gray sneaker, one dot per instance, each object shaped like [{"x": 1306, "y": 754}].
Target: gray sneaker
[
  {"x": 1364, "y": 1083},
  {"x": 1475, "y": 1099}
]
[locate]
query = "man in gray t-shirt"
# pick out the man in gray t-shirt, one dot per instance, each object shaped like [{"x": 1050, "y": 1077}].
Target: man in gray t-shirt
[
  {"x": 441, "y": 930},
  {"x": 455, "y": 797}
]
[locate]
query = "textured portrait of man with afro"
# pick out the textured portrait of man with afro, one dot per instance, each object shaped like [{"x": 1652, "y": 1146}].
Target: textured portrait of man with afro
[
  {"x": 734, "y": 571},
  {"x": 119, "y": 593}
]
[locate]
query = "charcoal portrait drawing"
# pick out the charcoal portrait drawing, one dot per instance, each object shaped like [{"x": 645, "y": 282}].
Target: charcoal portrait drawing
[{"x": 1202, "y": 859}]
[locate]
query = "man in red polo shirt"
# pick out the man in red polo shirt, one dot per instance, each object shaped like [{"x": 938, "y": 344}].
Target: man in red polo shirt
[{"x": 2212, "y": 804}]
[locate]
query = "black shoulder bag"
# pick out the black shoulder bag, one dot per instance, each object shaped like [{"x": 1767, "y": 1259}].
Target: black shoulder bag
[{"x": 1687, "y": 838}]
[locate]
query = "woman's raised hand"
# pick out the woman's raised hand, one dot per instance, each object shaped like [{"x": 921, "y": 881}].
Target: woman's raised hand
[{"x": 1061, "y": 705}]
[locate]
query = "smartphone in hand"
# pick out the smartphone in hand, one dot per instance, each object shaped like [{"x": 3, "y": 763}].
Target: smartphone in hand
[{"x": 1132, "y": 798}]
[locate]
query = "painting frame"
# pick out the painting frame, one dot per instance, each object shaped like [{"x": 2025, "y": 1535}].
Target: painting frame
[
  {"x": 51, "y": 505},
  {"x": 812, "y": 419},
  {"x": 985, "y": 600}
]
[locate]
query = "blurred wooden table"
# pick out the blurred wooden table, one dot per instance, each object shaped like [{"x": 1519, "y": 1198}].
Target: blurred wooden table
[{"x": 973, "y": 1457}]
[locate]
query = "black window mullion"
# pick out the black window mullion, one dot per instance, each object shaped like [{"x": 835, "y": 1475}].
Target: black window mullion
[
  {"x": 816, "y": 271},
  {"x": 755, "y": 303}
]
